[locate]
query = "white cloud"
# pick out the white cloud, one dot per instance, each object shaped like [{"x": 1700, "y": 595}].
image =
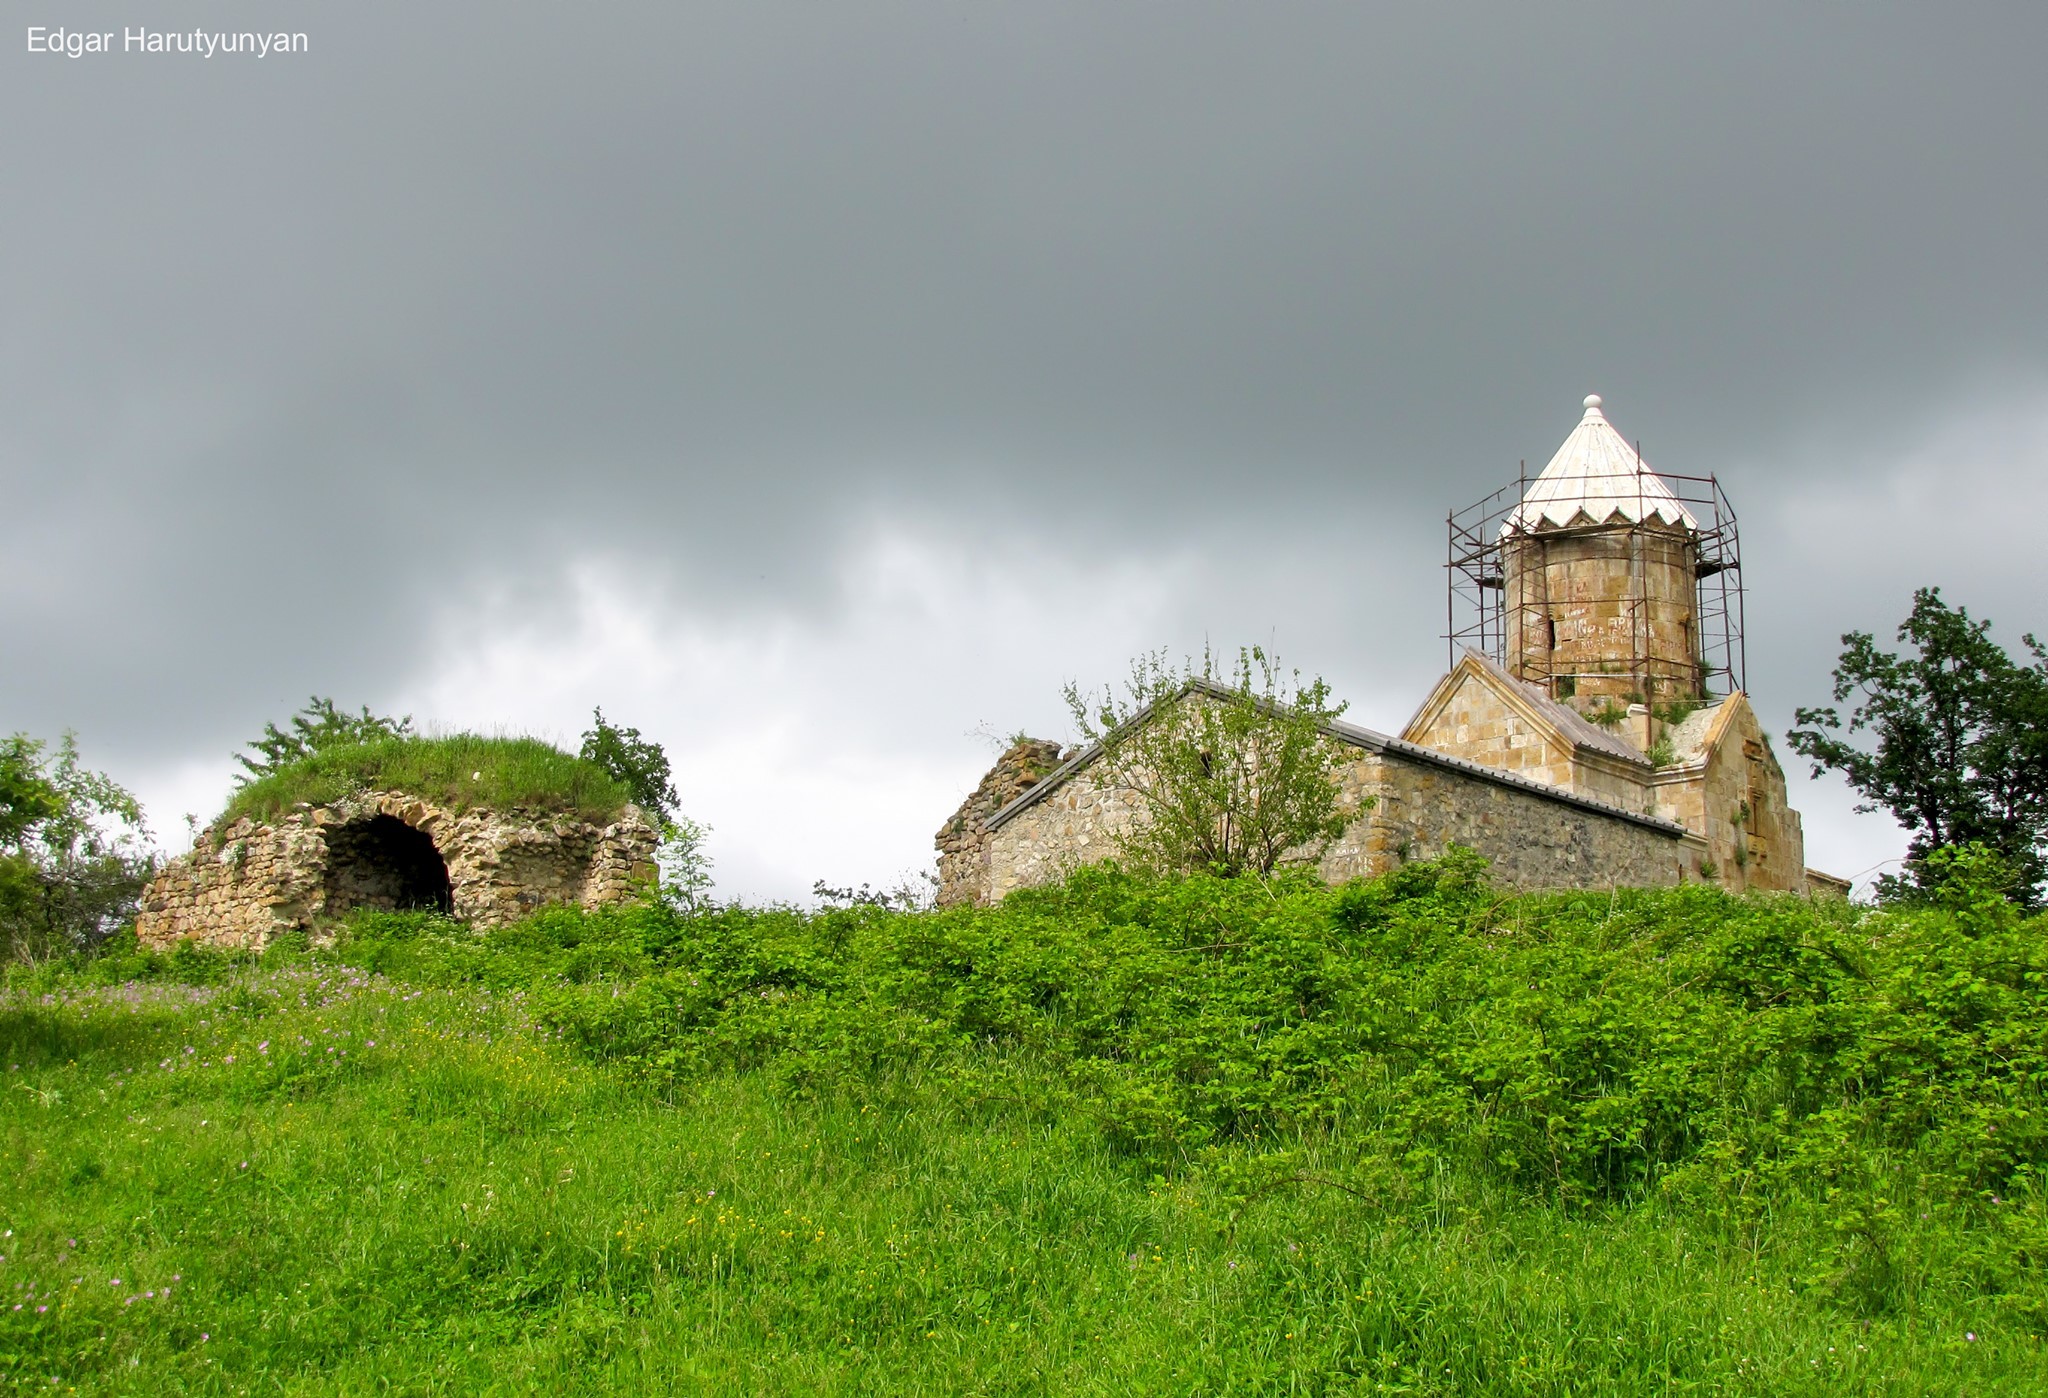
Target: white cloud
[{"x": 816, "y": 748}]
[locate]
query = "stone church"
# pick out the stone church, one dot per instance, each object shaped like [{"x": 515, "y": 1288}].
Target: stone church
[{"x": 1592, "y": 731}]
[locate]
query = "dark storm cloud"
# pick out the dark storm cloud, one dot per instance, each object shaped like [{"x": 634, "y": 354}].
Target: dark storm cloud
[{"x": 297, "y": 348}]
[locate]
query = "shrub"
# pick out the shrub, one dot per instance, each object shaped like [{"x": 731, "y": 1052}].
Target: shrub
[
  {"x": 1231, "y": 772},
  {"x": 635, "y": 763},
  {"x": 1585, "y": 1046},
  {"x": 313, "y": 730},
  {"x": 74, "y": 852}
]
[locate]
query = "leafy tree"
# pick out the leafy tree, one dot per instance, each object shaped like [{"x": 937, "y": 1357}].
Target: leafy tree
[
  {"x": 25, "y": 796},
  {"x": 1957, "y": 746},
  {"x": 641, "y": 766},
  {"x": 1231, "y": 770},
  {"x": 74, "y": 850},
  {"x": 684, "y": 881},
  {"x": 316, "y": 728}
]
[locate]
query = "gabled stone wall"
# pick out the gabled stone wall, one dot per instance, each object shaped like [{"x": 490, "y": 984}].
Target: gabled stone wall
[
  {"x": 1409, "y": 810},
  {"x": 245, "y": 884},
  {"x": 1406, "y": 803}
]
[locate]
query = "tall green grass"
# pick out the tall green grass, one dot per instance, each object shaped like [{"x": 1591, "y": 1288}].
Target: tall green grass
[
  {"x": 1121, "y": 1136},
  {"x": 459, "y": 771}
]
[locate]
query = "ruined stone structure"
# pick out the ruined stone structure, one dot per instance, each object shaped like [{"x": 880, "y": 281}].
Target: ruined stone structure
[
  {"x": 964, "y": 842},
  {"x": 1584, "y": 753},
  {"x": 243, "y": 885}
]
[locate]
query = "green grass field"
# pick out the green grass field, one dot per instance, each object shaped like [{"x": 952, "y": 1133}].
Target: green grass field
[
  {"x": 459, "y": 1174},
  {"x": 457, "y": 770}
]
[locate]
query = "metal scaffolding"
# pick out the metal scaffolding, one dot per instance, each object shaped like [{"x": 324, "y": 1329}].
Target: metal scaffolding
[{"x": 1479, "y": 612}]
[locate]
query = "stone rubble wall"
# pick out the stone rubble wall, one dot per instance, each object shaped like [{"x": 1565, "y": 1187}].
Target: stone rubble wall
[
  {"x": 1077, "y": 824},
  {"x": 241, "y": 886},
  {"x": 963, "y": 840},
  {"x": 237, "y": 888}
]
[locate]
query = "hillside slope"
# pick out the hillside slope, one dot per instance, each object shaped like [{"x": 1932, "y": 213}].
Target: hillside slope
[{"x": 1118, "y": 1136}]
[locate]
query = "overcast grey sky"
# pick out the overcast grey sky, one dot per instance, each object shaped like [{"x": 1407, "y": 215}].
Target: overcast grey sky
[{"x": 814, "y": 385}]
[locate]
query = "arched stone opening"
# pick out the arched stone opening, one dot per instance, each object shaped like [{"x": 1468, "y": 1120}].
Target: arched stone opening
[{"x": 384, "y": 863}]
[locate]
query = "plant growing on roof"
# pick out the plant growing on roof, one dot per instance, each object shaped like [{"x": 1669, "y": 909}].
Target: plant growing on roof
[
  {"x": 639, "y": 765},
  {"x": 1231, "y": 770},
  {"x": 1608, "y": 714},
  {"x": 317, "y": 728}
]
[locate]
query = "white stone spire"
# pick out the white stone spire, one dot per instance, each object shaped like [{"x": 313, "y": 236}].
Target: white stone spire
[{"x": 1597, "y": 477}]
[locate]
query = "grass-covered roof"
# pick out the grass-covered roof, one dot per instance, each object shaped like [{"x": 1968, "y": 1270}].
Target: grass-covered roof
[{"x": 460, "y": 771}]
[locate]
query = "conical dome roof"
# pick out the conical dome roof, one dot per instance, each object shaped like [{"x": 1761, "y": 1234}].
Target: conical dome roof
[{"x": 1597, "y": 477}]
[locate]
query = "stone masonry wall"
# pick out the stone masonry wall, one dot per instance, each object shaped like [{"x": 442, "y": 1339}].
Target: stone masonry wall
[
  {"x": 245, "y": 884},
  {"x": 963, "y": 840},
  {"x": 1482, "y": 725},
  {"x": 1074, "y": 825},
  {"x": 1729, "y": 787},
  {"x": 1613, "y": 599},
  {"x": 1533, "y": 840},
  {"x": 1418, "y": 810}
]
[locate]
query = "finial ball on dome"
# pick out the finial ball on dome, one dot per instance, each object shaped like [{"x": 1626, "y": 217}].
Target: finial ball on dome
[{"x": 1592, "y": 400}]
